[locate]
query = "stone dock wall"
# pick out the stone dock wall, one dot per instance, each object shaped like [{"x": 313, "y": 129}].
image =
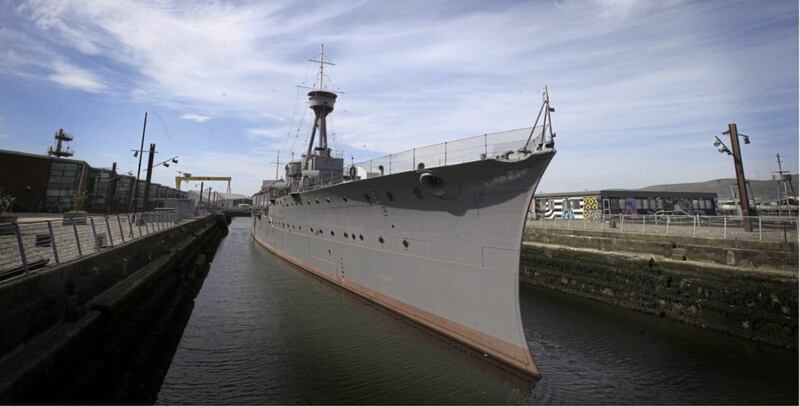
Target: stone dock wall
[
  {"x": 103, "y": 328},
  {"x": 744, "y": 288}
]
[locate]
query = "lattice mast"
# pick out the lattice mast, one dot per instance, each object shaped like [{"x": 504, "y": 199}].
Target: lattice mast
[{"x": 60, "y": 150}]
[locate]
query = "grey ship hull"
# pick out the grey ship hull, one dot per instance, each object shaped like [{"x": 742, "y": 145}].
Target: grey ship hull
[{"x": 449, "y": 262}]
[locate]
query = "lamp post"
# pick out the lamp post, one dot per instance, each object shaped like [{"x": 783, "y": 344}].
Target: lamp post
[
  {"x": 150, "y": 157},
  {"x": 139, "y": 168},
  {"x": 744, "y": 200}
]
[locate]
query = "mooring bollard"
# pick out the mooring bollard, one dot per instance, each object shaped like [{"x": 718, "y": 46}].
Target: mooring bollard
[{"x": 53, "y": 242}]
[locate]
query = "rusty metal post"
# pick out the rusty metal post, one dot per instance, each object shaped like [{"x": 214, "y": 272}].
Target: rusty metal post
[
  {"x": 744, "y": 200},
  {"x": 111, "y": 189},
  {"x": 139, "y": 168},
  {"x": 146, "y": 202}
]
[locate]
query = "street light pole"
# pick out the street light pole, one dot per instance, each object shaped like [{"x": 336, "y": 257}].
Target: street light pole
[
  {"x": 139, "y": 168},
  {"x": 111, "y": 189},
  {"x": 740, "y": 180},
  {"x": 145, "y": 203}
]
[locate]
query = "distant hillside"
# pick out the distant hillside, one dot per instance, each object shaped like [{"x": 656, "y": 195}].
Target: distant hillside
[{"x": 762, "y": 189}]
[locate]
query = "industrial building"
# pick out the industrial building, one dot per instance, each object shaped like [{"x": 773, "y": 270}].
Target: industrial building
[
  {"x": 41, "y": 183},
  {"x": 592, "y": 205}
]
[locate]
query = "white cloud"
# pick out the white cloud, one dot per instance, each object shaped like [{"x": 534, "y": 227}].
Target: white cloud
[
  {"x": 632, "y": 78},
  {"x": 71, "y": 76},
  {"x": 195, "y": 117},
  {"x": 271, "y": 133}
]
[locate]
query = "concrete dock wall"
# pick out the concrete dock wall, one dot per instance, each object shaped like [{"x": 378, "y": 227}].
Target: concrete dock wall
[
  {"x": 103, "y": 328},
  {"x": 746, "y": 289}
]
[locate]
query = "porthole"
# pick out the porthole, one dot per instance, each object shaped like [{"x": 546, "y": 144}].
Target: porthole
[
  {"x": 317, "y": 201},
  {"x": 346, "y": 235},
  {"x": 344, "y": 198},
  {"x": 308, "y": 202},
  {"x": 354, "y": 236},
  {"x": 361, "y": 237},
  {"x": 333, "y": 234},
  {"x": 369, "y": 200},
  {"x": 392, "y": 226},
  {"x": 380, "y": 240},
  {"x": 389, "y": 196},
  {"x": 312, "y": 230},
  {"x": 405, "y": 243},
  {"x": 328, "y": 200}
]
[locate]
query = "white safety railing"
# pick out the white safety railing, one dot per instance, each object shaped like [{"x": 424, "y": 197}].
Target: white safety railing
[
  {"x": 476, "y": 148},
  {"x": 26, "y": 246},
  {"x": 772, "y": 228}
]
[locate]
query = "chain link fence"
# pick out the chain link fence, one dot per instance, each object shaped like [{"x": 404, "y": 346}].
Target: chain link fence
[
  {"x": 770, "y": 228},
  {"x": 27, "y": 246}
]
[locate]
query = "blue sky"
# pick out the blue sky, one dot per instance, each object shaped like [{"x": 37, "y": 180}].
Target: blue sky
[{"x": 640, "y": 87}]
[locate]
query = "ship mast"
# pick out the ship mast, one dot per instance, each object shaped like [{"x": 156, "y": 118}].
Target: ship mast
[
  {"x": 547, "y": 125},
  {"x": 321, "y": 101}
]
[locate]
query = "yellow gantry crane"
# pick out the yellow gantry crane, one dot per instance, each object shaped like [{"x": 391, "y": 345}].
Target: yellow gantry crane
[{"x": 189, "y": 177}]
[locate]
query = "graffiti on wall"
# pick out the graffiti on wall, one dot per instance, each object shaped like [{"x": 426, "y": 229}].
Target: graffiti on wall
[
  {"x": 591, "y": 209},
  {"x": 566, "y": 208}
]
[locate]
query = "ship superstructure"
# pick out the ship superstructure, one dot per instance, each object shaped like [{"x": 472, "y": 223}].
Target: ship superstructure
[{"x": 432, "y": 233}]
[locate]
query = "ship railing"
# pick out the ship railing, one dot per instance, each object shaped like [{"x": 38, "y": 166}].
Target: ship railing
[
  {"x": 325, "y": 179},
  {"x": 26, "y": 246},
  {"x": 490, "y": 145},
  {"x": 766, "y": 228}
]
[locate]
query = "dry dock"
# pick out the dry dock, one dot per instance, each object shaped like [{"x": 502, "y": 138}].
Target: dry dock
[{"x": 746, "y": 288}]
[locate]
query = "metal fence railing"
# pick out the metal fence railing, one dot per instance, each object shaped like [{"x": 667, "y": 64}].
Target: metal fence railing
[
  {"x": 771, "y": 228},
  {"x": 476, "y": 148},
  {"x": 26, "y": 246}
]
